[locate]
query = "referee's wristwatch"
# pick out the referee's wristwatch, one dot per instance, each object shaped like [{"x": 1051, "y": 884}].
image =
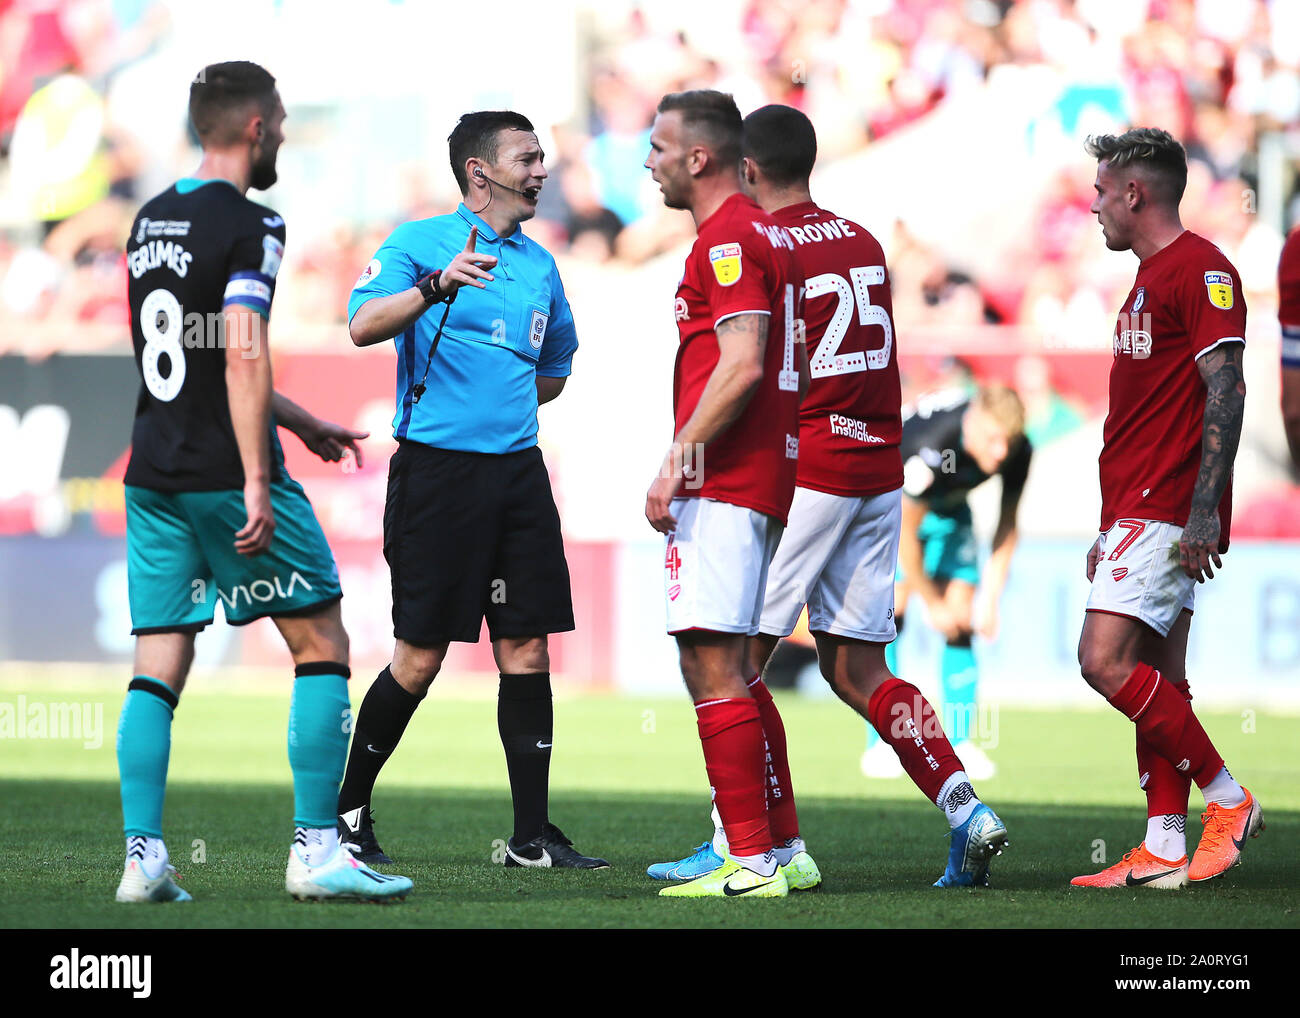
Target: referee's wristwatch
[{"x": 430, "y": 290}]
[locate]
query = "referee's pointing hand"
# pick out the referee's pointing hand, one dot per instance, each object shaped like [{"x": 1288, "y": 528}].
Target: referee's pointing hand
[{"x": 467, "y": 268}]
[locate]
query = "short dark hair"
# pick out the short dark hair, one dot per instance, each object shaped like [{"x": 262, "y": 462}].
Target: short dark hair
[
  {"x": 221, "y": 92},
  {"x": 781, "y": 140},
  {"x": 475, "y": 136},
  {"x": 712, "y": 115},
  {"x": 1148, "y": 147}
]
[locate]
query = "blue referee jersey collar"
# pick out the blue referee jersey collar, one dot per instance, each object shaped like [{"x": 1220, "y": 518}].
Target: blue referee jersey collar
[{"x": 486, "y": 232}]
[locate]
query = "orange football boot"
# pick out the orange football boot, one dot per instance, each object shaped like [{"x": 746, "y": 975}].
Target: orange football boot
[
  {"x": 1139, "y": 868},
  {"x": 1226, "y": 831}
]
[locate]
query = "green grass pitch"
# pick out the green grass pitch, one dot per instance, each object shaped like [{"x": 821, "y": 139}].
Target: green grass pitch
[{"x": 627, "y": 783}]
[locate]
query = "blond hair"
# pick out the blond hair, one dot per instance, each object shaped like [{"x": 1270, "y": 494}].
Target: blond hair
[
  {"x": 1002, "y": 404},
  {"x": 1148, "y": 147}
]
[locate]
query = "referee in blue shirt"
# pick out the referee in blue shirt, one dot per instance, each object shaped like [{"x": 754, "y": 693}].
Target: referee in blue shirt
[{"x": 484, "y": 335}]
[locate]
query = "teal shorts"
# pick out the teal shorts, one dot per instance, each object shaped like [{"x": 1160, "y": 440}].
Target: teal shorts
[
  {"x": 948, "y": 546},
  {"x": 181, "y": 559}
]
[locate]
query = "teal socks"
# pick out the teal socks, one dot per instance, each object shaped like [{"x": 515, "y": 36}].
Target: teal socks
[
  {"x": 320, "y": 723},
  {"x": 144, "y": 742},
  {"x": 959, "y": 677}
]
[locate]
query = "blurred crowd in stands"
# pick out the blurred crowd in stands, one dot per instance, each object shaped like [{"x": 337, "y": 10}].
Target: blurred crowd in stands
[{"x": 1217, "y": 73}]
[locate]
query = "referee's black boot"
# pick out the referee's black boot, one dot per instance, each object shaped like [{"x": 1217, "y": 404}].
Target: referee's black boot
[
  {"x": 550, "y": 848},
  {"x": 357, "y": 835}
]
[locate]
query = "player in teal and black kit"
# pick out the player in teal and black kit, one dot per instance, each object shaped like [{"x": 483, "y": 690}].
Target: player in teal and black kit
[
  {"x": 211, "y": 511},
  {"x": 953, "y": 442}
]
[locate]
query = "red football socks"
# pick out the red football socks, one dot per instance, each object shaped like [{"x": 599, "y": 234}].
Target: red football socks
[
  {"x": 731, "y": 733},
  {"x": 1166, "y": 722},
  {"x": 1166, "y": 789},
  {"x": 905, "y": 720},
  {"x": 781, "y": 814}
]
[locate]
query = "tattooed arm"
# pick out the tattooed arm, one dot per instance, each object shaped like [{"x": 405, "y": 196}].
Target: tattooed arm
[
  {"x": 1225, "y": 401},
  {"x": 741, "y": 342}
]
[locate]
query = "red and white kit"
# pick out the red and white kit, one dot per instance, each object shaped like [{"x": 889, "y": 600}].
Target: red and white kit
[
  {"x": 1186, "y": 300},
  {"x": 731, "y": 514},
  {"x": 840, "y": 548}
]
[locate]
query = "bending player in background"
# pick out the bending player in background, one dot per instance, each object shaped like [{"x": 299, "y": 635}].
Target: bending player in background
[
  {"x": 952, "y": 443},
  {"x": 736, "y": 389},
  {"x": 210, "y": 507},
  {"x": 839, "y": 551},
  {"x": 1288, "y": 312},
  {"x": 1176, "y": 375}
]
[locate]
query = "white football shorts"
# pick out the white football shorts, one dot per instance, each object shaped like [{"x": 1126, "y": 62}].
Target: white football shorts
[
  {"x": 839, "y": 555},
  {"x": 1138, "y": 574},
  {"x": 715, "y": 566}
]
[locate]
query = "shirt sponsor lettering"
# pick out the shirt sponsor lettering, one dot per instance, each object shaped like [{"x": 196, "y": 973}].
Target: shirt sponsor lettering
[
  {"x": 1134, "y": 342},
  {"x": 853, "y": 428}
]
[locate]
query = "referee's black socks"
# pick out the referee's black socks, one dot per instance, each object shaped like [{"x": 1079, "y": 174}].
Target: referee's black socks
[
  {"x": 525, "y": 719},
  {"x": 384, "y": 715}
]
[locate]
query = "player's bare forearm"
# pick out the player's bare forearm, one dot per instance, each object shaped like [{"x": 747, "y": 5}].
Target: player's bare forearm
[
  {"x": 549, "y": 388},
  {"x": 999, "y": 564},
  {"x": 327, "y": 440},
  {"x": 1225, "y": 404},
  {"x": 1291, "y": 414},
  {"x": 741, "y": 342},
  {"x": 1005, "y": 538},
  {"x": 289, "y": 414},
  {"x": 911, "y": 556},
  {"x": 381, "y": 318},
  {"x": 249, "y": 393}
]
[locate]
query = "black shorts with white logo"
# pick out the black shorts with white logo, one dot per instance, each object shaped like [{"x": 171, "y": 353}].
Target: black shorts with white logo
[{"x": 470, "y": 535}]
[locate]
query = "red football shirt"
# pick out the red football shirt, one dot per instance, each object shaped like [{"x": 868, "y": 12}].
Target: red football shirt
[
  {"x": 1186, "y": 300},
  {"x": 850, "y": 422},
  {"x": 1288, "y": 307},
  {"x": 742, "y": 263}
]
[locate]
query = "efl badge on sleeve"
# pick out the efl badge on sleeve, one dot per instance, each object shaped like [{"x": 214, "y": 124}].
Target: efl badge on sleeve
[
  {"x": 725, "y": 259},
  {"x": 1219, "y": 286},
  {"x": 272, "y": 253},
  {"x": 537, "y": 331}
]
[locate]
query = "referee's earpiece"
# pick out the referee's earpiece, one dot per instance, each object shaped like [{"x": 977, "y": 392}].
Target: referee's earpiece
[{"x": 478, "y": 172}]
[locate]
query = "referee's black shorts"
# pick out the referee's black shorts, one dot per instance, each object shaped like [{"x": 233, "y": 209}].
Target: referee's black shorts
[{"x": 469, "y": 535}]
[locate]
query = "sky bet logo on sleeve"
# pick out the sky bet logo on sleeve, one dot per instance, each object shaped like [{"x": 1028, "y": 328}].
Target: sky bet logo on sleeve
[
  {"x": 1219, "y": 286},
  {"x": 725, "y": 259}
]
